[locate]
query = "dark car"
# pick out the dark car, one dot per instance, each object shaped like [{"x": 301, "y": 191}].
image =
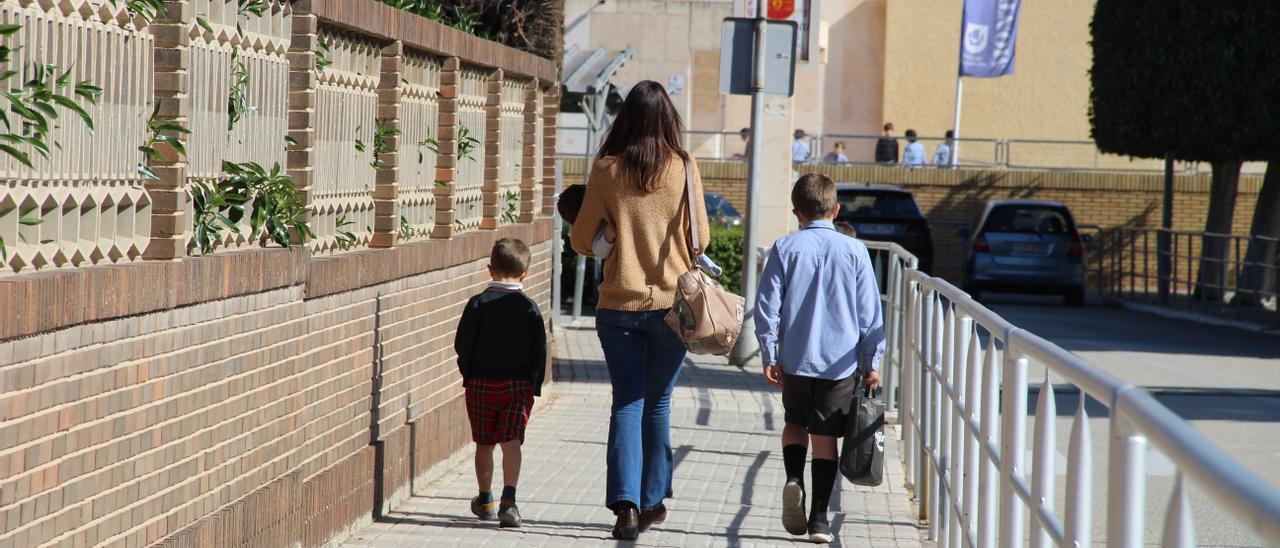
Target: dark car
[
  {"x": 886, "y": 213},
  {"x": 719, "y": 210},
  {"x": 1025, "y": 246}
]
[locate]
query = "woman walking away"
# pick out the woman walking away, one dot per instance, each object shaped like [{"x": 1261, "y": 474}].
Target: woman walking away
[{"x": 638, "y": 185}]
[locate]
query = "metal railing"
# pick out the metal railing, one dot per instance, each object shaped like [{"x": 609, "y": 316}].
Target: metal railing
[
  {"x": 963, "y": 395},
  {"x": 1047, "y": 154},
  {"x": 1132, "y": 272}
]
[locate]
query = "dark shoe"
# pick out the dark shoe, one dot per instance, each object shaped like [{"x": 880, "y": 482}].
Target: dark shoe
[
  {"x": 653, "y": 516},
  {"x": 794, "y": 519},
  {"x": 628, "y": 525},
  {"x": 820, "y": 532},
  {"x": 484, "y": 510},
  {"x": 509, "y": 516}
]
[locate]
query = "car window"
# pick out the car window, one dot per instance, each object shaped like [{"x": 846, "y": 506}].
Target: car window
[
  {"x": 1029, "y": 220},
  {"x": 877, "y": 203}
]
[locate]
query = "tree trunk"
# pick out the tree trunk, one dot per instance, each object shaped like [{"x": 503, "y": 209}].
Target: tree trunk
[
  {"x": 1214, "y": 249},
  {"x": 1259, "y": 273}
]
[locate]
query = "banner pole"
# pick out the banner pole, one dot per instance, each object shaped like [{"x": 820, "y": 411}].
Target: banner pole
[{"x": 955, "y": 124}]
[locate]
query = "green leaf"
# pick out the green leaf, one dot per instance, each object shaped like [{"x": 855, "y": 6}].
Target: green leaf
[
  {"x": 204, "y": 24},
  {"x": 9, "y": 29},
  {"x": 18, "y": 155},
  {"x": 145, "y": 171},
  {"x": 29, "y": 221}
]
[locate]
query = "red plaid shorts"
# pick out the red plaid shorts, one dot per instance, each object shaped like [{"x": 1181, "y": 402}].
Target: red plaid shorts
[{"x": 498, "y": 409}]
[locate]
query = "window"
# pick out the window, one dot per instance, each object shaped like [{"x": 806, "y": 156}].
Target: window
[
  {"x": 1029, "y": 220},
  {"x": 877, "y": 204}
]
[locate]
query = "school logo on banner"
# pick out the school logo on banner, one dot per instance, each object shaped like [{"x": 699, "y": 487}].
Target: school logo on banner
[{"x": 989, "y": 33}]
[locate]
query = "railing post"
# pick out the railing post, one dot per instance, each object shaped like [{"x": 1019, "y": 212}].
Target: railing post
[
  {"x": 447, "y": 161},
  {"x": 893, "y": 335},
  {"x": 1043, "y": 453},
  {"x": 907, "y": 414},
  {"x": 988, "y": 478},
  {"x": 973, "y": 401},
  {"x": 386, "y": 210},
  {"x": 946, "y": 410},
  {"x": 1126, "y": 483},
  {"x": 492, "y": 189},
  {"x": 1012, "y": 444},
  {"x": 169, "y": 225},
  {"x": 959, "y": 368},
  {"x": 1079, "y": 528}
]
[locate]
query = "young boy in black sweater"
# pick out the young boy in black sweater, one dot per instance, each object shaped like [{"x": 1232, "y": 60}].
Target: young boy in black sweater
[{"x": 502, "y": 354}]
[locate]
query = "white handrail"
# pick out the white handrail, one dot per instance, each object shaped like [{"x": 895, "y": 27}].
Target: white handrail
[{"x": 964, "y": 458}]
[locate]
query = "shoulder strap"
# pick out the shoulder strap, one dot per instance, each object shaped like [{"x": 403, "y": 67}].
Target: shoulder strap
[{"x": 693, "y": 219}]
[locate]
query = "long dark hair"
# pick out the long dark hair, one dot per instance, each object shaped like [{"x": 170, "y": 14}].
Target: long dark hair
[{"x": 644, "y": 135}]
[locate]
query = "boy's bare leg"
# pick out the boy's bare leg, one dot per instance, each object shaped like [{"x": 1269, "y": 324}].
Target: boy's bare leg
[
  {"x": 794, "y": 434},
  {"x": 824, "y": 447},
  {"x": 511, "y": 458},
  {"x": 484, "y": 467}
]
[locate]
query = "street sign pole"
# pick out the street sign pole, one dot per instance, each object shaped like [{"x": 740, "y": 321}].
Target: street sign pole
[{"x": 747, "y": 345}]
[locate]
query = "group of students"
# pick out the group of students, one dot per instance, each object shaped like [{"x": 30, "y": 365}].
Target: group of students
[
  {"x": 886, "y": 151},
  {"x": 818, "y": 320}
]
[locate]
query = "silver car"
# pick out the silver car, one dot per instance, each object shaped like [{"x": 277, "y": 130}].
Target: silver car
[{"x": 1025, "y": 246}]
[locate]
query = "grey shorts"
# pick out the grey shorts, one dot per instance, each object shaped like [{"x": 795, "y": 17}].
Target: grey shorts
[{"x": 820, "y": 405}]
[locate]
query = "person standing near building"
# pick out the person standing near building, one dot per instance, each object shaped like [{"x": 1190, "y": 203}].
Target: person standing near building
[
  {"x": 836, "y": 156},
  {"x": 887, "y": 146},
  {"x": 942, "y": 156},
  {"x": 799, "y": 148},
  {"x": 913, "y": 156},
  {"x": 745, "y": 134}
]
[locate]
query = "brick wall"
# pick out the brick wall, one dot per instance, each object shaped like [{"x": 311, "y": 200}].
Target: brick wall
[
  {"x": 955, "y": 198},
  {"x": 245, "y": 420}
]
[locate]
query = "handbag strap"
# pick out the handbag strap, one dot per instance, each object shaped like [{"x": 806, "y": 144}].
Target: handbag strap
[{"x": 693, "y": 220}]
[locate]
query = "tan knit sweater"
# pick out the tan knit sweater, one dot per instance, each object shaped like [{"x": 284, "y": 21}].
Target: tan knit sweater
[{"x": 650, "y": 252}]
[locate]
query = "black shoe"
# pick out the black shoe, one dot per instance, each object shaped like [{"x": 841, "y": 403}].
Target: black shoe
[
  {"x": 820, "y": 532},
  {"x": 653, "y": 516},
  {"x": 793, "y": 516},
  {"x": 628, "y": 525}
]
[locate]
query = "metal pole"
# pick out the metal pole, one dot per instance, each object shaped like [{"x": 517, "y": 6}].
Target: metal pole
[
  {"x": 1164, "y": 264},
  {"x": 557, "y": 251},
  {"x": 955, "y": 124},
  {"x": 747, "y": 345},
  {"x": 580, "y": 269}
]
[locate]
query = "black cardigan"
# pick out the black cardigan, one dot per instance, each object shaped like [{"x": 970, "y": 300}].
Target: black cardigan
[{"x": 502, "y": 337}]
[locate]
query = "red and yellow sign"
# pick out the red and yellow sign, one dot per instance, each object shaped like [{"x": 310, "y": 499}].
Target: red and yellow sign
[{"x": 781, "y": 9}]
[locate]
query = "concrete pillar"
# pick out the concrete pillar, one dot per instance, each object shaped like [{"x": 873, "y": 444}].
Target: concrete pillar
[
  {"x": 491, "y": 215},
  {"x": 303, "y": 80},
  {"x": 550, "y": 109},
  {"x": 386, "y": 215},
  {"x": 446, "y": 161},
  {"x": 529, "y": 181},
  {"x": 170, "y": 226},
  {"x": 776, "y": 178}
]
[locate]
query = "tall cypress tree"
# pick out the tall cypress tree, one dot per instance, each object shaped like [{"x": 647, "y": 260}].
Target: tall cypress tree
[{"x": 1196, "y": 80}]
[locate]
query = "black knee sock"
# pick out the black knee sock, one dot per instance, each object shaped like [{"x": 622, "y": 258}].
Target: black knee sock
[
  {"x": 793, "y": 457},
  {"x": 824, "y": 480},
  {"x": 508, "y": 493}
]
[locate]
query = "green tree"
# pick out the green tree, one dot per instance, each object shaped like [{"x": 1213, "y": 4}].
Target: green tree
[{"x": 1195, "y": 80}]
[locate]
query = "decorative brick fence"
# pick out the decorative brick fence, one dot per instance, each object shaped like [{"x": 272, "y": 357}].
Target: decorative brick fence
[{"x": 254, "y": 396}]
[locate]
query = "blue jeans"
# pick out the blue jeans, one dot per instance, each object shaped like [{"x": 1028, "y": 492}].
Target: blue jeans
[{"x": 644, "y": 358}]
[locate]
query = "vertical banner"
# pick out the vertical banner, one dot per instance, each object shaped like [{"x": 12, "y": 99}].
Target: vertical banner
[{"x": 988, "y": 34}]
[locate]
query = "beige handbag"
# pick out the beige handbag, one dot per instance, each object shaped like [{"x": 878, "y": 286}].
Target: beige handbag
[{"x": 705, "y": 316}]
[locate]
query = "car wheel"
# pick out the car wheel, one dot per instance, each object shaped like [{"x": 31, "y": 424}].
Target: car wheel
[{"x": 1074, "y": 296}]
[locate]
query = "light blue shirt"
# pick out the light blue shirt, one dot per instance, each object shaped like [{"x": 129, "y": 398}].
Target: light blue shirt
[
  {"x": 818, "y": 308},
  {"x": 799, "y": 151},
  {"x": 913, "y": 155}
]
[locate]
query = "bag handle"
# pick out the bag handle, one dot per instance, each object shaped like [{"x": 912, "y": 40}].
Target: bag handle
[{"x": 693, "y": 220}]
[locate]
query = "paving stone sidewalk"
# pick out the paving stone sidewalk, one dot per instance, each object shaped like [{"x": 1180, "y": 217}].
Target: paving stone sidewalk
[{"x": 725, "y": 424}]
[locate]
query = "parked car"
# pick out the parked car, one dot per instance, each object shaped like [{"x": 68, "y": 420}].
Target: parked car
[
  {"x": 1025, "y": 246},
  {"x": 719, "y": 210},
  {"x": 887, "y": 214}
]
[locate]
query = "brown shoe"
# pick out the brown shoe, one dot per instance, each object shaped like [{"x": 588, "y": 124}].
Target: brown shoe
[
  {"x": 628, "y": 525},
  {"x": 653, "y": 516}
]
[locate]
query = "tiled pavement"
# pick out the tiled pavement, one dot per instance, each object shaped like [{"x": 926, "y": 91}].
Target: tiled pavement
[{"x": 725, "y": 425}]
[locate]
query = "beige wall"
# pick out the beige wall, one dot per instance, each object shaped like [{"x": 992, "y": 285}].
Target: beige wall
[{"x": 1047, "y": 97}]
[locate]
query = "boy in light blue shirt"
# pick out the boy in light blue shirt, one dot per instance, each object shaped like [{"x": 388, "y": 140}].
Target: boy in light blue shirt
[{"x": 819, "y": 321}]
